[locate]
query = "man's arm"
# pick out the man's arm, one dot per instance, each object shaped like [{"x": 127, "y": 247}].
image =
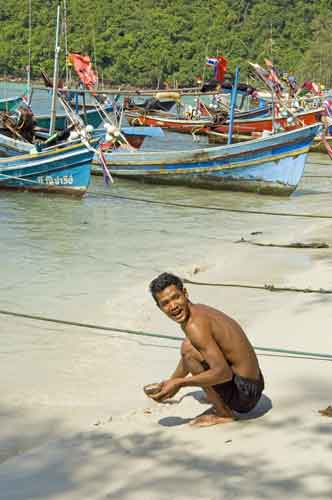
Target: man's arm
[
  {"x": 219, "y": 371},
  {"x": 180, "y": 371}
]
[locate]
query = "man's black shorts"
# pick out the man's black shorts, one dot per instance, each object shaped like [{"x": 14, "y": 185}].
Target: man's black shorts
[{"x": 240, "y": 394}]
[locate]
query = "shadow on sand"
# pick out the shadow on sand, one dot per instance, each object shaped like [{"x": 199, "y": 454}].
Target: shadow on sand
[
  {"x": 263, "y": 406},
  {"x": 283, "y": 454}
]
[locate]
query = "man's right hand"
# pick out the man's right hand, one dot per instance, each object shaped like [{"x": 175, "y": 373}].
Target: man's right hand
[{"x": 168, "y": 389}]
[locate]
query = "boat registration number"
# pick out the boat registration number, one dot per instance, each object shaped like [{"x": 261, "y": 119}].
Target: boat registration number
[{"x": 55, "y": 180}]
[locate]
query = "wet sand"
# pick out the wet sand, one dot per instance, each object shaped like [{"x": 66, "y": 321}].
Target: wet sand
[{"x": 76, "y": 424}]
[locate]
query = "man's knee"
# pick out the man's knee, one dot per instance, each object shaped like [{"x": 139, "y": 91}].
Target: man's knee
[{"x": 188, "y": 351}]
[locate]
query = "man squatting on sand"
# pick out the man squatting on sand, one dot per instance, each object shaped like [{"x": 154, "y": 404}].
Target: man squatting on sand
[{"x": 216, "y": 352}]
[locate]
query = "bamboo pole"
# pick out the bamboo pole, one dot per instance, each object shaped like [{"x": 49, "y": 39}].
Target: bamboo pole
[{"x": 232, "y": 107}]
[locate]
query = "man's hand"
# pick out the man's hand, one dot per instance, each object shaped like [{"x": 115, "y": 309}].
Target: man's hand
[{"x": 168, "y": 390}]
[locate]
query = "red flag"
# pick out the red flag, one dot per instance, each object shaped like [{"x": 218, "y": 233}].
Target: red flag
[
  {"x": 220, "y": 68},
  {"x": 83, "y": 68},
  {"x": 313, "y": 87}
]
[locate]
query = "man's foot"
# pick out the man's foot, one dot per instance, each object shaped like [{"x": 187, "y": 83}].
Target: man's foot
[{"x": 208, "y": 420}]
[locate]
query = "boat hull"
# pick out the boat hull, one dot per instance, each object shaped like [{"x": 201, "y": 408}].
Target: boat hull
[
  {"x": 271, "y": 165},
  {"x": 317, "y": 145},
  {"x": 66, "y": 170},
  {"x": 10, "y": 103},
  {"x": 260, "y": 125},
  {"x": 171, "y": 124}
]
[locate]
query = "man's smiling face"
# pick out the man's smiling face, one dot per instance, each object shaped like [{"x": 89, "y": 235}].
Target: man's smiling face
[{"x": 174, "y": 303}]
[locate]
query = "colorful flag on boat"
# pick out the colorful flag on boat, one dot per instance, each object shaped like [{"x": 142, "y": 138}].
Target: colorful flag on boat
[
  {"x": 201, "y": 108},
  {"x": 106, "y": 173},
  {"x": 220, "y": 65},
  {"x": 83, "y": 67},
  {"x": 26, "y": 97},
  {"x": 273, "y": 76},
  {"x": 312, "y": 87},
  {"x": 211, "y": 61},
  {"x": 221, "y": 68},
  {"x": 268, "y": 75}
]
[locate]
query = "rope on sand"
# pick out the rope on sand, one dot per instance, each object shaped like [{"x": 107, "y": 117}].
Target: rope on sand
[
  {"x": 201, "y": 207},
  {"x": 318, "y": 176},
  {"x": 312, "y": 355},
  {"x": 269, "y": 287},
  {"x": 286, "y": 245},
  {"x": 325, "y": 163}
]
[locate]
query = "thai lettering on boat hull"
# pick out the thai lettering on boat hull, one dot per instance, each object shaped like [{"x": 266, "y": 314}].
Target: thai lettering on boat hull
[{"x": 55, "y": 180}]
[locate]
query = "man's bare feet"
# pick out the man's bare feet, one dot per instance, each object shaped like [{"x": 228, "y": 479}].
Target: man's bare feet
[{"x": 208, "y": 420}]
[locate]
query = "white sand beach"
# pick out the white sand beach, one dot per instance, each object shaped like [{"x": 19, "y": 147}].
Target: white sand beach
[{"x": 76, "y": 425}]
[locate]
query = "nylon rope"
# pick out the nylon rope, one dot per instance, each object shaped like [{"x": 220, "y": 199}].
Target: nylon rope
[
  {"x": 315, "y": 355},
  {"x": 318, "y": 176},
  {"x": 201, "y": 207}
]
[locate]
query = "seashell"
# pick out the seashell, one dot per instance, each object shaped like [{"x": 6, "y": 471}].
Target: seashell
[{"x": 152, "y": 389}]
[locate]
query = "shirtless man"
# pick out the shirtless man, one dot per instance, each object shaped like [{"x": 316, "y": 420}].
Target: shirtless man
[{"x": 216, "y": 352}]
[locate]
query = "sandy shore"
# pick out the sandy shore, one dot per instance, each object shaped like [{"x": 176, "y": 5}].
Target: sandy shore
[{"x": 76, "y": 424}]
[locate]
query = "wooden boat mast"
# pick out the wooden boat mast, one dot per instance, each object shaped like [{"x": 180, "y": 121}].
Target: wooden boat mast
[
  {"x": 65, "y": 29},
  {"x": 55, "y": 73},
  {"x": 29, "y": 50}
]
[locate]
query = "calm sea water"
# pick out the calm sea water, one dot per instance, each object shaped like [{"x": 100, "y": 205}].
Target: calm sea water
[{"x": 74, "y": 259}]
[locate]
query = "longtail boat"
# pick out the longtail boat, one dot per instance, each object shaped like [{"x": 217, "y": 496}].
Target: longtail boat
[
  {"x": 269, "y": 165},
  {"x": 261, "y": 124}
]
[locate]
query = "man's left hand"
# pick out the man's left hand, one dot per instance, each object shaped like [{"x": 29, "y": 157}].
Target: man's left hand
[{"x": 169, "y": 389}]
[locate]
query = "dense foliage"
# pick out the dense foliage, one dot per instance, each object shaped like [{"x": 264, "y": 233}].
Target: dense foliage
[{"x": 147, "y": 42}]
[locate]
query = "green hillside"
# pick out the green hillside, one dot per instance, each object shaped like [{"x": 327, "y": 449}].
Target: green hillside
[{"x": 144, "y": 42}]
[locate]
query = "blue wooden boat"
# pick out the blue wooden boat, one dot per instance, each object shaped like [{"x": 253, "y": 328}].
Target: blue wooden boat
[
  {"x": 145, "y": 131},
  {"x": 271, "y": 165},
  {"x": 11, "y": 146},
  {"x": 10, "y": 103},
  {"x": 64, "y": 169}
]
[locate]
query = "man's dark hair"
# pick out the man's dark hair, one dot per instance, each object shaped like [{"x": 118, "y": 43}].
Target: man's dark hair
[{"x": 163, "y": 281}]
